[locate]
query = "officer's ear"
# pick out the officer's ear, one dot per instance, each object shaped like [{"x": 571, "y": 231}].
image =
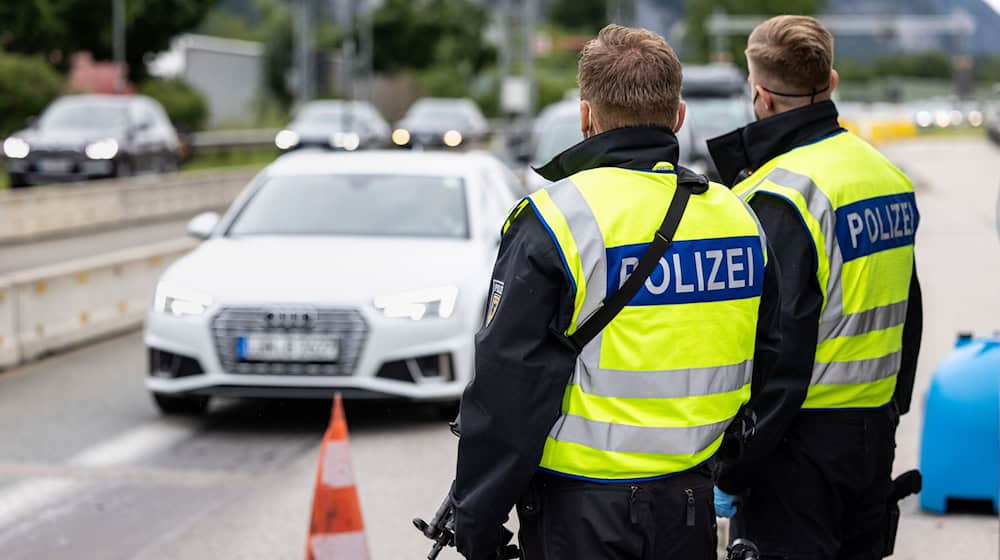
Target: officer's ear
[
  {"x": 834, "y": 80},
  {"x": 586, "y": 119},
  {"x": 681, "y": 113}
]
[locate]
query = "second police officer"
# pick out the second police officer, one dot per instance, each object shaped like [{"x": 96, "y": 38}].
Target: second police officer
[{"x": 842, "y": 221}]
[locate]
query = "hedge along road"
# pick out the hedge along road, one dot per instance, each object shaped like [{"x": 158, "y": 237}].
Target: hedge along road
[{"x": 88, "y": 469}]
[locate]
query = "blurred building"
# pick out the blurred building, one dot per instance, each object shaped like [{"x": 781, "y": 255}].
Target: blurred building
[{"x": 227, "y": 72}]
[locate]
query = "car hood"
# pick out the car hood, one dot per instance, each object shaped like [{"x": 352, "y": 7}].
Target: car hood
[
  {"x": 66, "y": 138},
  {"x": 332, "y": 270}
]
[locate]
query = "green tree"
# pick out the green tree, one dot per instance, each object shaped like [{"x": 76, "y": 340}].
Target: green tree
[
  {"x": 587, "y": 16},
  {"x": 27, "y": 86},
  {"x": 185, "y": 106},
  {"x": 698, "y": 39},
  {"x": 57, "y": 28},
  {"x": 418, "y": 34}
]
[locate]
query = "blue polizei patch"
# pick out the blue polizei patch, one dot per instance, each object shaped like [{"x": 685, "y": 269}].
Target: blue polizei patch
[
  {"x": 876, "y": 224},
  {"x": 693, "y": 271}
]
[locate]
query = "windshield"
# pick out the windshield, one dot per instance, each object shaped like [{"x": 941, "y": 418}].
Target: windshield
[
  {"x": 440, "y": 117},
  {"x": 84, "y": 115},
  {"x": 364, "y": 205},
  {"x": 712, "y": 116},
  {"x": 331, "y": 115},
  {"x": 558, "y": 134}
]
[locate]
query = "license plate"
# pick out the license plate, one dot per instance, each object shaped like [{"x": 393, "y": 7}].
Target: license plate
[
  {"x": 54, "y": 165},
  {"x": 288, "y": 348}
]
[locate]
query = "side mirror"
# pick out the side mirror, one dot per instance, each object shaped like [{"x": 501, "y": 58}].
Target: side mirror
[
  {"x": 202, "y": 225},
  {"x": 141, "y": 126}
]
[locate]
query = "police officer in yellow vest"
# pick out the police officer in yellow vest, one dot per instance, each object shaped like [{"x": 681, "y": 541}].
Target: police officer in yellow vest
[
  {"x": 604, "y": 445},
  {"x": 842, "y": 221}
]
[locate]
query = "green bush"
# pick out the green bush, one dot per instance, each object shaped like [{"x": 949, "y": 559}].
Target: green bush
[
  {"x": 185, "y": 106},
  {"x": 27, "y": 85}
]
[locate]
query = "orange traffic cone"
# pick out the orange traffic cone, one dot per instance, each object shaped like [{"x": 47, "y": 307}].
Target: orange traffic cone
[{"x": 336, "y": 531}]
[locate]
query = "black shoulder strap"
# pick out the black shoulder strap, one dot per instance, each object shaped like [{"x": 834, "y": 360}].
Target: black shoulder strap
[{"x": 661, "y": 242}]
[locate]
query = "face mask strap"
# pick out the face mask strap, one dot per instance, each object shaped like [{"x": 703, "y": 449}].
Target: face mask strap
[{"x": 811, "y": 96}]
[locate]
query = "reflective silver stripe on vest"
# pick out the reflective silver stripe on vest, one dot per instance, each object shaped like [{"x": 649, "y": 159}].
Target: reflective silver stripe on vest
[
  {"x": 876, "y": 319},
  {"x": 589, "y": 242},
  {"x": 624, "y": 438},
  {"x": 858, "y": 371},
  {"x": 760, "y": 229},
  {"x": 662, "y": 384}
]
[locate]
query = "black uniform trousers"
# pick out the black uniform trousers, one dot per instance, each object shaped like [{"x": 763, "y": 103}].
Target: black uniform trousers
[
  {"x": 823, "y": 493},
  {"x": 667, "y": 519}
]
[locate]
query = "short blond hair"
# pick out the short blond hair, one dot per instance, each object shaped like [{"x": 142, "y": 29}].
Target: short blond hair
[
  {"x": 794, "y": 50},
  {"x": 631, "y": 77}
]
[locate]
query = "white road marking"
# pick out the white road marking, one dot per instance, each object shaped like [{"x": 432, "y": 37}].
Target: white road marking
[{"x": 19, "y": 500}]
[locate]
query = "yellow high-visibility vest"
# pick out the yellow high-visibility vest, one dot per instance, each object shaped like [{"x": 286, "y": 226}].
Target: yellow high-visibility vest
[
  {"x": 653, "y": 393},
  {"x": 862, "y": 216}
]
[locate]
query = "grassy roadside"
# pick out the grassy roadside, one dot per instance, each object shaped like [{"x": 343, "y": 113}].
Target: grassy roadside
[
  {"x": 953, "y": 132},
  {"x": 222, "y": 160}
]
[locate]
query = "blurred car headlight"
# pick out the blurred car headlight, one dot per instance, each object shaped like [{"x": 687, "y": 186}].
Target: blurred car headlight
[
  {"x": 452, "y": 138},
  {"x": 179, "y": 301},
  {"x": 102, "y": 149},
  {"x": 942, "y": 119},
  {"x": 346, "y": 140},
  {"x": 924, "y": 119},
  {"x": 419, "y": 304},
  {"x": 16, "y": 148},
  {"x": 286, "y": 139},
  {"x": 400, "y": 137},
  {"x": 976, "y": 118}
]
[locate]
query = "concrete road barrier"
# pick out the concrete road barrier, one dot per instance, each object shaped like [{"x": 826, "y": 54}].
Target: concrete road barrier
[
  {"x": 59, "y": 306},
  {"x": 27, "y": 214}
]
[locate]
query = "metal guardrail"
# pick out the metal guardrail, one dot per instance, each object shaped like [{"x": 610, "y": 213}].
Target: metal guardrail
[
  {"x": 64, "y": 209},
  {"x": 54, "y": 307},
  {"x": 226, "y": 140}
]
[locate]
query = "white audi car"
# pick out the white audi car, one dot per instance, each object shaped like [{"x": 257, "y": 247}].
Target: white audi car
[{"x": 364, "y": 273}]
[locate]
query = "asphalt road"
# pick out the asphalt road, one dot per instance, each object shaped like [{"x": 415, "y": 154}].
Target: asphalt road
[
  {"x": 87, "y": 244},
  {"x": 88, "y": 470}
]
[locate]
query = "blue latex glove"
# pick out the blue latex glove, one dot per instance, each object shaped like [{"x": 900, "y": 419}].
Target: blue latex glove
[{"x": 725, "y": 504}]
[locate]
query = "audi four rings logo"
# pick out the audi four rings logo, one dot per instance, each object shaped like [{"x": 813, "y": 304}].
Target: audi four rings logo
[{"x": 290, "y": 318}]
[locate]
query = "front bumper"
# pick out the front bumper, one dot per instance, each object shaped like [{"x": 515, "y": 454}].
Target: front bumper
[
  {"x": 427, "y": 360},
  {"x": 45, "y": 166}
]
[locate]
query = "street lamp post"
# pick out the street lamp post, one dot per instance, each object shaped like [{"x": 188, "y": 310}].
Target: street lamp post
[{"x": 118, "y": 42}]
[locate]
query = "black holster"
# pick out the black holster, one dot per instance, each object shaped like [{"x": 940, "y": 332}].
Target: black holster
[{"x": 904, "y": 485}]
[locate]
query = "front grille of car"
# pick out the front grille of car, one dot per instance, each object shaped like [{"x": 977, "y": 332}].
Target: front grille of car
[{"x": 346, "y": 323}]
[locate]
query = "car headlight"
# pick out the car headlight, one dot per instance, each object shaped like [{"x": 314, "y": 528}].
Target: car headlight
[
  {"x": 102, "y": 149},
  {"x": 179, "y": 301},
  {"x": 418, "y": 304},
  {"x": 452, "y": 138},
  {"x": 16, "y": 148},
  {"x": 346, "y": 140},
  {"x": 286, "y": 139},
  {"x": 400, "y": 137}
]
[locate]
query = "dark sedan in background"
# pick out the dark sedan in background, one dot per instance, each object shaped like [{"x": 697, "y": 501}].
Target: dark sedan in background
[
  {"x": 718, "y": 101},
  {"x": 337, "y": 125},
  {"x": 81, "y": 137},
  {"x": 441, "y": 123}
]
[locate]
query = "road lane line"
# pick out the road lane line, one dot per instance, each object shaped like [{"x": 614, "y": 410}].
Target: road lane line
[{"x": 22, "y": 498}]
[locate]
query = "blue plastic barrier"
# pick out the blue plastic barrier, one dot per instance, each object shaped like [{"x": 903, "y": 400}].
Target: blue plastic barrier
[{"x": 960, "y": 454}]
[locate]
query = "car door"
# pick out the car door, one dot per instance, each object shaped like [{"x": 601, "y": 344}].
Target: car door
[{"x": 142, "y": 137}]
